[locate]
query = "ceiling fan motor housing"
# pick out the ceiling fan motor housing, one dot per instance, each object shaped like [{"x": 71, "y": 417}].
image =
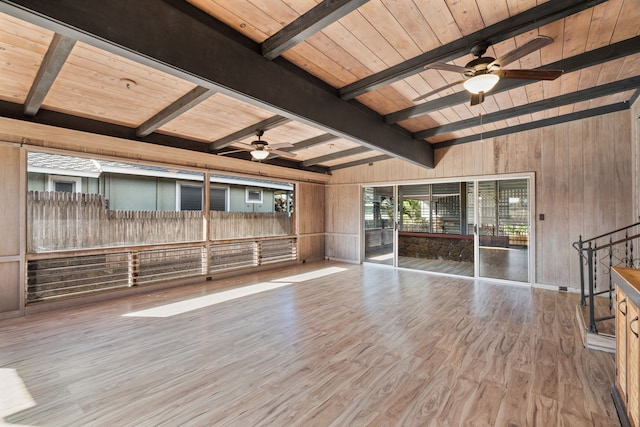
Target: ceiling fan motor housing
[{"x": 479, "y": 66}]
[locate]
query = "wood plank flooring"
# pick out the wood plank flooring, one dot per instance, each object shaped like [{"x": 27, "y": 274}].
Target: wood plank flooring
[{"x": 366, "y": 346}]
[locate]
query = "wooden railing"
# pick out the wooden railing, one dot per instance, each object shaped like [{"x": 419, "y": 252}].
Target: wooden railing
[{"x": 65, "y": 274}]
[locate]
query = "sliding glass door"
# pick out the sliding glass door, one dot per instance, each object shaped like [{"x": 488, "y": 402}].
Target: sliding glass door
[
  {"x": 503, "y": 229},
  {"x": 477, "y": 228},
  {"x": 434, "y": 228},
  {"x": 379, "y": 224}
]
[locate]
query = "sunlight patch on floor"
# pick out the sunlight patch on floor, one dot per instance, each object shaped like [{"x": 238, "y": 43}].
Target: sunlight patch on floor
[
  {"x": 14, "y": 396},
  {"x": 311, "y": 275},
  {"x": 180, "y": 307},
  {"x": 176, "y": 308}
]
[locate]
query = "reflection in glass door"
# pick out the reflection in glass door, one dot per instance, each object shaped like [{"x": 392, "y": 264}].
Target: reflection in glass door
[
  {"x": 503, "y": 229},
  {"x": 378, "y": 209}
]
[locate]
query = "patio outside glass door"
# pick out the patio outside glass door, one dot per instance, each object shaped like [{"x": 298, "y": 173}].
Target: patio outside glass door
[
  {"x": 503, "y": 229},
  {"x": 379, "y": 225}
]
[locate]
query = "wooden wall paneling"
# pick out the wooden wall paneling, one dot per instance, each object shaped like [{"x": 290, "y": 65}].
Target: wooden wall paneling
[
  {"x": 343, "y": 208},
  {"x": 502, "y": 154},
  {"x": 343, "y": 247},
  {"x": 488, "y": 166},
  {"x": 311, "y": 247},
  {"x": 10, "y": 207},
  {"x": 604, "y": 164},
  {"x": 623, "y": 176},
  {"x": 635, "y": 155},
  {"x": 545, "y": 194},
  {"x": 310, "y": 208},
  {"x": 562, "y": 218},
  {"x": 12, "y": 230},
  {"x": 343, "y": 223},
  {"x": 575, "y": 171}
]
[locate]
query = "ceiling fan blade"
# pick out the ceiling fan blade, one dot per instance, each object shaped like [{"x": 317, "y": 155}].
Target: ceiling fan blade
[
  {"x": 477, "y": 98},
  {"x": 282, "y": 153},
  {"x": 433, "y": 92},
  {"x": 527, "y": 48},
  {"x": 280, "y": 145},
  {"x": 530, "y": 74},
  {"x": 446, "y": 67},
  {"x": 224, "y": 153}
]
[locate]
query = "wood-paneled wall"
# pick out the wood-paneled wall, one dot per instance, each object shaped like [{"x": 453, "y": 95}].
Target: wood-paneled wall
[
  {"x": 11, "y": 228},
  {"x": 343, "y": 222},
  {"x": 584, "y": 184},
  {"x": 310, "y": 214},
  {"x": 635, "y": 147}
]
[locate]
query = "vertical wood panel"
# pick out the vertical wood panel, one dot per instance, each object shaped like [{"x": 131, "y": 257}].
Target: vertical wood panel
[
  {"x": 10, "y": 300},
  {"x": 10, "y": 196},
  {"x": 343, "y": 222},
  {"x": 310, "y": 214},
  {"x": 575, "y": 171},
  {"x": 546, "y": 265},
  {"x": 635, "y": 155},
  {"x": 562, "y": 217},
  {"x": 310, "y": 208},
  {"x": 11, "y": 227}
]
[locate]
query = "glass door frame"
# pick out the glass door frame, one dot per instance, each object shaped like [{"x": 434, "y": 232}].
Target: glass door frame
[
  {"x": 363, "y": 230},
  {"x": 530, "y": 176}
]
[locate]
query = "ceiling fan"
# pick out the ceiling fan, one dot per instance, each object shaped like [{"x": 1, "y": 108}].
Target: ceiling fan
[
  {"x": 260, "y": 149},
  {"x": 483, "y": 73}
]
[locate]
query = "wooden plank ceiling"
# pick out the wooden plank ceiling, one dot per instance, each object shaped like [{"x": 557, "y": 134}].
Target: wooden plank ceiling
[{"x": 371, "y": 54}]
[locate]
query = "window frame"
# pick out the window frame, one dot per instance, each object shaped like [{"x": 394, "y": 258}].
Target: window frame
[
  {"x": 248, "y": 190},
  {"x": 75, "y": 180}
]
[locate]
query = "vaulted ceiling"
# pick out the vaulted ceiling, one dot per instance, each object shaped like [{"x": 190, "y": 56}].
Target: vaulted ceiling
[{"x": 334, "y": 79}]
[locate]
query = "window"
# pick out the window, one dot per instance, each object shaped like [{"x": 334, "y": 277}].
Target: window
[
  {"x": 218, "y": 199},
  {"x": 253, "y": 195},
  {"x": 65, "y": 184},
  {"x": 190, "y": 198}
]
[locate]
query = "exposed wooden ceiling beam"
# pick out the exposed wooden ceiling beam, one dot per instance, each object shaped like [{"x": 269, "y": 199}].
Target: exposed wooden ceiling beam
[
  {"x": 52, "y": 63},
  {"x": 366, "y": 161},
  {"x": 153, "y": 33},
  {"x": 320, "y": 16},
  {"x": 545, "y": 104},
  {"x": 66, "y": 121},
  {"x": 184, "y": 103},
  {"x": 248, "y": 131},
  {"x": 334, "y": 156},
  {"x": 518, "y": 24},
  {"x": 574, "y": 63},
  {"x": 612, "y": 108}
]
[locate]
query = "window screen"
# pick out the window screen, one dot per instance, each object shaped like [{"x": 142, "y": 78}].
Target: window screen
[
  {"x": 67, "y": 187},
  {"x": 218, "y": 201},
  {"x": 190, "y": 198}
]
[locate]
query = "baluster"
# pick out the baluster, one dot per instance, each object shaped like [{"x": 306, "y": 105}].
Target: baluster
[
  {"x": 592, "y": 272},
  {"x": 610, "y": 269},
  {"x": 581, "y": 256},
  {"x": 626, "y": 248}
]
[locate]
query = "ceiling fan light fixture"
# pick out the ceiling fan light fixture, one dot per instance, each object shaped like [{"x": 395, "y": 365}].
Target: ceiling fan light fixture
[
  {"x": 481, "y": 83},
  {"x": 259, "y": 154}
]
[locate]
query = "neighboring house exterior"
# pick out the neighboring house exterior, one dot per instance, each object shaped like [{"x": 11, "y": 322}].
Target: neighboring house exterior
[{"x": 129, "y": 186}]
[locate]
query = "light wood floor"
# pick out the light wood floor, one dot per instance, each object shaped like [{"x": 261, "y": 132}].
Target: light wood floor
[{"x": 367, "y": 346}]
